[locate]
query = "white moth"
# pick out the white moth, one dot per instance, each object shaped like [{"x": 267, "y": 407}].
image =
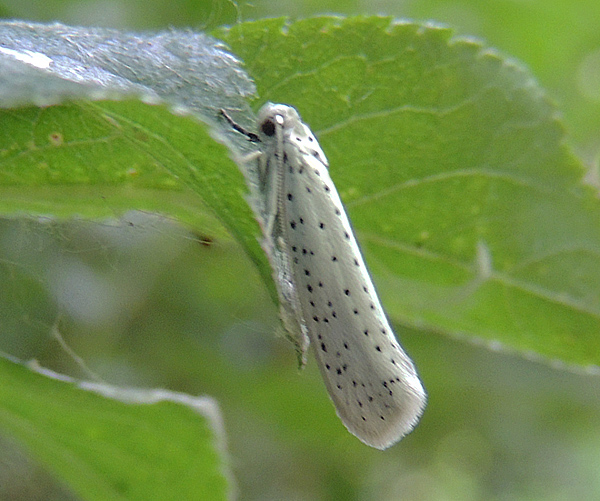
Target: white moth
[{"x": 326, "y": 291}]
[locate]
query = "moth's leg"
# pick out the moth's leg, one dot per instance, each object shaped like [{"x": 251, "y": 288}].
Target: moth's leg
[
  {"x": 246, "y": 159},
  {"x": 289, "y": 305},
  {"x": 271, "y": 207}
]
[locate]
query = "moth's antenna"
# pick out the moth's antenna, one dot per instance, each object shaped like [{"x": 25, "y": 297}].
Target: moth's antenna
[{"x": 250, "y": 135}]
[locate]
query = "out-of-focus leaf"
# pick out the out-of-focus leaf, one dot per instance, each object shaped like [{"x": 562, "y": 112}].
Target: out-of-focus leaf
[{"x": 114, "y": 443}]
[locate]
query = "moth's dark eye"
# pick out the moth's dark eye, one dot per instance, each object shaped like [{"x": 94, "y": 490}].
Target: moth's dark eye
[{"x": 268, "y": 128}]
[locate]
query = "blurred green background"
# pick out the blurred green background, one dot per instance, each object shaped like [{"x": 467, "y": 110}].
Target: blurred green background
[{"x": 158, "y": 306}]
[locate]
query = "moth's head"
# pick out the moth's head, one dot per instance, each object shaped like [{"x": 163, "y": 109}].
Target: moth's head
[{"x": 272, "y": 117}]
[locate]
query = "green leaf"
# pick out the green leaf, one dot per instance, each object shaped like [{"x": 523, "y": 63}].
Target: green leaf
[
  {"x": 114, "y": 443},
  {"x": 470, "y": 210},
  {"x": 93, "y": 158}
]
